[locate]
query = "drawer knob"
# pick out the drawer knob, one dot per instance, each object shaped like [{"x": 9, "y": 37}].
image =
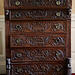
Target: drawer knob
[
  {"x": 17, "y": 3},
  {"x": 58, "y": 14},
  {"x": 57, "y": 26},
  {"x": 17, "y": 15},
  {"x": 58, "y": 2},
  {"x": 18, "y": 41},
  {"x": 20, "y": 70},
  {"x": 18, "y": 27},
  {"x": 58, "y": 69},
  {"x": 58, "y": 54},
  {"x": 19, "y": 55}
]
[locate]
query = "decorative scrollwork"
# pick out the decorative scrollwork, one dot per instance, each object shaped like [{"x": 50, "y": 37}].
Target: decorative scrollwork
[
  {"x": 40, "y": 69},
  {"x": 26, "y": 41},
  {"x": 39, "y": 14},
  {"x": 38, "y": 54},
  {"x": 38, "y": 27},
  {"x": 39, "y": 3}
]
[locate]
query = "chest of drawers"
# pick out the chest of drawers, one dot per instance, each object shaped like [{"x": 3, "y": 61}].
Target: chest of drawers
[{"x": 38, "y": 37}]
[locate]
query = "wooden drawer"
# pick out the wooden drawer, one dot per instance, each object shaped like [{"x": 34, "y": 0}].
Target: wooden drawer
[
  {"x": 38, "y": 26},
  {"x": 41, "y": 4},
  {"x": 42, "y": 68},
  {"x": 38, "y": 54},
  {"x": 39, "y": 14},
  {"x": 38, "y": 40}
]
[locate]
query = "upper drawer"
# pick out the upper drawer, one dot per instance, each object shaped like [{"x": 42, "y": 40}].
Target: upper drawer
[
  {"x": 40, "y": 4},
  {"x": 39, "y": 15},
  {"x": 38, "y": 26}
]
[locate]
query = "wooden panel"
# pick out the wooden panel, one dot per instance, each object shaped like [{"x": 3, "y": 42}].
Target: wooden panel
[
  {"x": 38, "y": 41},
  {"x": 38, "y": 54},
  {"x": 38, "y": 26},
  {"x": 39, "y": 14},
  {"x": 39, "y": 69}
]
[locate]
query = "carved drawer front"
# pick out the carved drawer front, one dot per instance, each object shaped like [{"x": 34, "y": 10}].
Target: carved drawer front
[
  {"x": 28, "y": 4},
  {"x": 38, "y": 26},
  {"x": 38, "y": 54},
  {"x": 39, "y": 69},
  {"x": 39, "y": 14},
  {"x": 38, "y": 40}
]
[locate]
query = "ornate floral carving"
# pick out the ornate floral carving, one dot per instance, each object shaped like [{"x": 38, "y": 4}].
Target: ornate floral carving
[
  {"x": 27, "y": 41},
  {"x": 39, "y": 14},
  {"x": 38, "y": 27},
  {"x": 39, "y": 69},
  {"x": 38, "y": 54}
]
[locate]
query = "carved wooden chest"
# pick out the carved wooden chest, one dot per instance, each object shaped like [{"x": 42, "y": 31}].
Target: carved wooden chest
[{"x": 38, "y": 37}]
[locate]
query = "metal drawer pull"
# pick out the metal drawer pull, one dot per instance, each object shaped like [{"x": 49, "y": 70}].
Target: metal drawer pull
[
  {"x": 57, "y": 26},
  {"x": 17, "y": 15},
  {"x": 17, "y": 3},
  {"x": 58, "y": 69},
  {"x": 18, "y": 27},
  {"x": 20, "y": 70},
  {"x": 58, "y": 14},
  {"x": 18, "y": 41},
  {"x": 18, "y": 55},
  {"x": 58, "y": 2},
  {"x": 58, "y": 54}
]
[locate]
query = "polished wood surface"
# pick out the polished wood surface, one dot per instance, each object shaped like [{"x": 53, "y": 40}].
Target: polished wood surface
[{"x": 38, "y": 37}]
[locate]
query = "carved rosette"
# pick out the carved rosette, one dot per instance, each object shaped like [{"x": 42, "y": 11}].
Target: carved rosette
[
  {"x": 38, "y": 55},
  {"x": 39, "y": 69},
  {"x": 27, "y": 41}
]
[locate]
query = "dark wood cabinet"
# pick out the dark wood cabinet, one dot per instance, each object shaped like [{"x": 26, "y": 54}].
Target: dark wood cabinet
[{"x": 38, "y": 37}]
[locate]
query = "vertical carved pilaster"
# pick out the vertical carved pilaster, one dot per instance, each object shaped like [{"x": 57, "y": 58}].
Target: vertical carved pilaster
[
  {"x": 8, "y": 67},
  {"x": 68, "y": 66},
  {"x": 6, "y": 14}
]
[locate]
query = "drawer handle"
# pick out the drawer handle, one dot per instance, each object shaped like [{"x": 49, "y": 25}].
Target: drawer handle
[
  {"x": 58, "y": 2},
  {"x": 18, "y": 27},
  {"x": 19, "y": 55},
  {"x": 19, "y": 70},
  {"x": 17, "y": 3},
  {"x": 18, "y": 41},
  {"x": 17, "y": 15},
  {"x": 57, "y": 26},
  {"x": 58, "y": 14}
]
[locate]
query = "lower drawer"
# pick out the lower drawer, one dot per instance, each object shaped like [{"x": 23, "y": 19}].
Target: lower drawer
[
  {"x": 39, "y": 69},
  {"x": 38, "y": 40},
  {"x": 38, "y": 54}
]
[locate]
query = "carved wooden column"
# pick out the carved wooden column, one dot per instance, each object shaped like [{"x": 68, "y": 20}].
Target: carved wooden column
[
  {"x": 8, "y": 67},
  {"x": 68, "y": 66}
]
